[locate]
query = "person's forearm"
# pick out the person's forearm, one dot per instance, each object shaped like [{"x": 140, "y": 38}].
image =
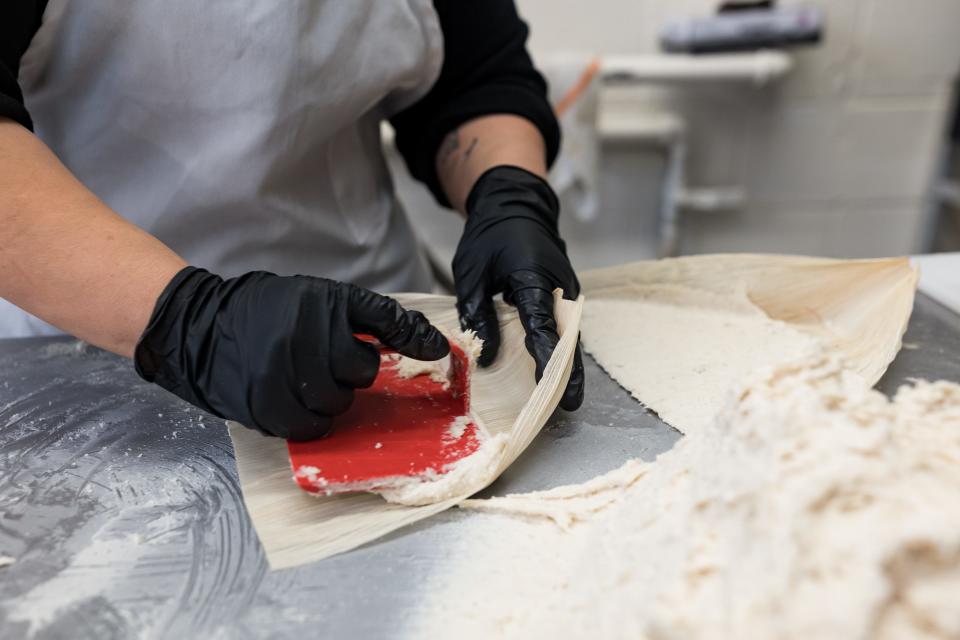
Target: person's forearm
[
  {"x": 483, "y": 143},
  {"x": 66, "y": 257}
]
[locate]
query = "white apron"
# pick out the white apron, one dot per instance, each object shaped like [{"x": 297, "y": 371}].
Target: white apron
[{"x": 244, "y": 134}]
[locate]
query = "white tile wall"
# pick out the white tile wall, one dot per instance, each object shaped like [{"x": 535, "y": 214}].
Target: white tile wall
[
  {"x": 907, "y": 48},
  {"x": 827, "y": 70},
  {"x": 768, "y": 230},
  {"x": 887, "y": 149},
  {"x": 865, "y": 230},
  {"x": 835, "y": 160},
  {"x": 603, "y": 26},
  {"x": 829, "y": 228}
]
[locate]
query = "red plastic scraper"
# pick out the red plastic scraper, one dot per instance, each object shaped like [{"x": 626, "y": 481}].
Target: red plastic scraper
[{"x": 398, "y": 428}]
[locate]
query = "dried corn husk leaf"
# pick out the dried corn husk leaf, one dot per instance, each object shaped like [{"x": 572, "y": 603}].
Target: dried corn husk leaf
[
  {"x": 678, "y": 333},
  {"x": 296, "y": 528}
]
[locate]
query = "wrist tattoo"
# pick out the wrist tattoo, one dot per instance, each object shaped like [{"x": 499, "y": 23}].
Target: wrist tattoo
[
  {"x": 470, "y": 148},
  {"x": 449, "y": 145},
  {"x": 450, "y": 148}
]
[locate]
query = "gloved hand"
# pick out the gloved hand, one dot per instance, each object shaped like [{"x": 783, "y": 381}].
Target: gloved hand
[
  {"x": 511, "y": 245},
  {"x": 274, "y": 353}
]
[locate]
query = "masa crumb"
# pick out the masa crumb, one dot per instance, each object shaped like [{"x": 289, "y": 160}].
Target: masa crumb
[
  {"x": 439, "y": 370},
  {"x": 457, "y": 428}
]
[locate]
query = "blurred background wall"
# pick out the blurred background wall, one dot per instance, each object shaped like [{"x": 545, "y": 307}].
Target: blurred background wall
[{"x": 836, "y": 158}]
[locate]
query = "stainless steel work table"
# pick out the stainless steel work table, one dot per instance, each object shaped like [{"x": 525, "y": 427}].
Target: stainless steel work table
[{"x": 122, "y": 508}]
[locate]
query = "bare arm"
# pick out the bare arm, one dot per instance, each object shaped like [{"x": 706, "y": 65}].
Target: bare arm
[
  {"x": 483, "y": 143},
  {"x": 486, "y": 131},
  {"x": 66, "y": 257}
]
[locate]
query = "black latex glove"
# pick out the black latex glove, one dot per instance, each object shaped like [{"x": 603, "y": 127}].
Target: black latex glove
[
  {"x": 511, "y": 245},
  {"x": 274, "y": 353}
]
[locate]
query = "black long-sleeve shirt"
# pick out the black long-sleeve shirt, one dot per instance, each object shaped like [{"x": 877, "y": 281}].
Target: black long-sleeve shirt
[{"x": 486, "y": 70}]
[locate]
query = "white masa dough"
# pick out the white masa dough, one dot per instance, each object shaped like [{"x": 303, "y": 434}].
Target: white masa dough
[
  {"x": 458, "y": 478},
  {"x": 810, "y": 507},
  {"x": 678, "y": 333},
  {"x": 679, "y": 350}
]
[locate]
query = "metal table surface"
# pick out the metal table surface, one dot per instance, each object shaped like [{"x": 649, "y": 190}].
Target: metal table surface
[{"x": 122, "y": 508}]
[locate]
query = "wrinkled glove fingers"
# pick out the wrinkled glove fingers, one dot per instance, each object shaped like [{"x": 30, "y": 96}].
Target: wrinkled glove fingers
[
  {"x": 353, "y": 363},
  {"x": 573, "y": 395},
  {"x": 535, "y": 307},
  {"x": 319, "y": 391},
  {"x": 305, "y": 419},
  {"x": 408, "y": 332},
  {"x": 317, "y": 399},
  {"x": 478, "y": 313}
]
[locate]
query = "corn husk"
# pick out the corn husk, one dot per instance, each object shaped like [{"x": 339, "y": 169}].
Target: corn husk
[
  {"x": 296, "y": 528},
  {"x": 856, "y": 309}
]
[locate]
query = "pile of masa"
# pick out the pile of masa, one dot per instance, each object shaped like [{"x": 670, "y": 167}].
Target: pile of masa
[{"x": 806, "y": 505}]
